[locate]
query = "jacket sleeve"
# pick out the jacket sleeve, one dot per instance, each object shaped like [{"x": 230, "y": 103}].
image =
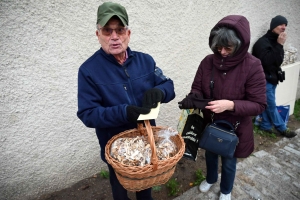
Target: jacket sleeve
[
  {"x": 165, "y": 84},
  {"x": 269, "y": 55},
  {"x": 255, "y": 102},
  {"x": 196, "y": 87},
  {"x": 90, "y": 111}
]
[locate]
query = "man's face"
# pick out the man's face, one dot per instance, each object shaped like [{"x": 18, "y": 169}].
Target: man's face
[
  {"x": 114, "y": 37},
  {"x": 279, "y": 29}
]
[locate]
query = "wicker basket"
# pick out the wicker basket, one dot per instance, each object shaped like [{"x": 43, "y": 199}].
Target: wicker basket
[{"x": 137, "y": 178}]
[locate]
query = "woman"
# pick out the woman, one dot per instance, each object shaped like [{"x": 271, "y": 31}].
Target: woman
[{"x": 238, "y": 94}]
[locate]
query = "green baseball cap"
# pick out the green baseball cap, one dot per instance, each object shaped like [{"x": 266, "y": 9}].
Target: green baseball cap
[{"x": 109, "y": 9}]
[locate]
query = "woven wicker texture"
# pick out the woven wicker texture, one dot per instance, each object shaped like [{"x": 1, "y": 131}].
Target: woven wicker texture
[{"x": 136, "y": 178}]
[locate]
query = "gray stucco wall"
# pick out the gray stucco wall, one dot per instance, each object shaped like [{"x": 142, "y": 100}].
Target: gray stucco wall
[{"x": 43, "y": 146}]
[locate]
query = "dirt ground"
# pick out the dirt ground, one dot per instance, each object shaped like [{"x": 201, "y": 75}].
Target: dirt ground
[{"x": 98, "y": 188}]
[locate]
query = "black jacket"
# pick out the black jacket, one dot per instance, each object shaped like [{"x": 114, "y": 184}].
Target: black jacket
[{"x": 271, "y": 55}]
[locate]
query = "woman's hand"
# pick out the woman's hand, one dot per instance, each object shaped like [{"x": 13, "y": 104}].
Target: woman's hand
[{"x": 219, "y": 106}]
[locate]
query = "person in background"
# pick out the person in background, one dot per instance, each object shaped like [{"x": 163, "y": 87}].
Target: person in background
[
  {"x": 269, "y": 49},
  {"x": 238, "y": 94},
  {"x": 117, "y": 84}
]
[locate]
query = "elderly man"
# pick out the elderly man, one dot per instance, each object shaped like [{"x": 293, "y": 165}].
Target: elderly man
[
  {"x": 116, "y": 85},
  {"x": 269, "y": 49}
]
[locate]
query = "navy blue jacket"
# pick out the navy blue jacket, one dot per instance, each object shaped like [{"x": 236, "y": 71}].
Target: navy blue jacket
[{"x": 106, "y": 88}]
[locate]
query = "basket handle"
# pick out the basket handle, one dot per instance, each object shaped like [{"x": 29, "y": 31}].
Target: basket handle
[{"x": 151, "y": 141}]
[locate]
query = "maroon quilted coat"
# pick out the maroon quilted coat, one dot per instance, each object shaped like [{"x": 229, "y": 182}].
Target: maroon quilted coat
[{"x": 239, "y": 78}]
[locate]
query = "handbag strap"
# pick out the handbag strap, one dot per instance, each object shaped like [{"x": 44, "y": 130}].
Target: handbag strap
[{"x": 211, "y": 86}]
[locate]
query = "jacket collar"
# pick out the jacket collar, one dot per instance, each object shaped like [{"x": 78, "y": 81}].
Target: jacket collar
[
  {"x": 111, "y": 58},
  {"x": 271, "y": 35}
]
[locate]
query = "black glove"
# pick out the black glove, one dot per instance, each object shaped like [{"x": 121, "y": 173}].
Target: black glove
[
  {"x": 133, "y": 112},
  {"x": 193, "y": 100},
  {"x": 186, "y": 103},
  {"x": 152, "y": 97}
]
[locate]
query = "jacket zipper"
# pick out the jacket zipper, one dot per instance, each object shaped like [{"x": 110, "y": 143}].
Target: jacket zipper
[
  {"x": 125, "y": 88},
  {"x": 228, "y": 133},
  {"x": 126, "y": 72}
]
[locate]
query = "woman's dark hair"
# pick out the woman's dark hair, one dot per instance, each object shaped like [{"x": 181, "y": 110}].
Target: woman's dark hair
[{"x": 225, "y": 37}]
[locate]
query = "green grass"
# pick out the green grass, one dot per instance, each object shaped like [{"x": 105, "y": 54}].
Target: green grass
[
  {"x": 104, "y": 174},
  {"x": 173, "y": 187},
  {"x": 157, "y": 188},
  {"x": 199, "y": 177},
  {"x": 257, "y": 131},
  {"x": 297, "y": 110}
]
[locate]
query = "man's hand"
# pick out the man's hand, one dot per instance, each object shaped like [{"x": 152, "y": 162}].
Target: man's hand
[
  {"x": 152, "y": 97},
  {"x": 282, "y": 38},
  {"x": 133, "y": 112},
  {"x": 219, "y": 106}
]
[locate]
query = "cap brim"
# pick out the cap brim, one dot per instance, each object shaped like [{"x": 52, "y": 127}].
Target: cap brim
[{"x": 105, "y": 19}]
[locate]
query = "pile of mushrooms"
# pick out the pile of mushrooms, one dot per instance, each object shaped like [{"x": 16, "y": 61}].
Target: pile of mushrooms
[{"x": 137, "y": 151}]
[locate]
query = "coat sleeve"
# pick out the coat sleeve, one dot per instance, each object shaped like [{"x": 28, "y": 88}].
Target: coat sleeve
[
  {"x": 203, "y": 75},
  {"x": 196, "y": 87},
  {"x": 255, "y": 101},
  {"x": 90, "y": 111},
  {"x": 165, "y": 84}
]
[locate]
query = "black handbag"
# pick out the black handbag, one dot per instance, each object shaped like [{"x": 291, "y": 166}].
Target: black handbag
[
  {"x": 219, "y": 137},
  {"x": 191, "y": 134}
]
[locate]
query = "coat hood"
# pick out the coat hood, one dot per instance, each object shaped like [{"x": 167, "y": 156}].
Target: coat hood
[{"x": 242, "y": 28}]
